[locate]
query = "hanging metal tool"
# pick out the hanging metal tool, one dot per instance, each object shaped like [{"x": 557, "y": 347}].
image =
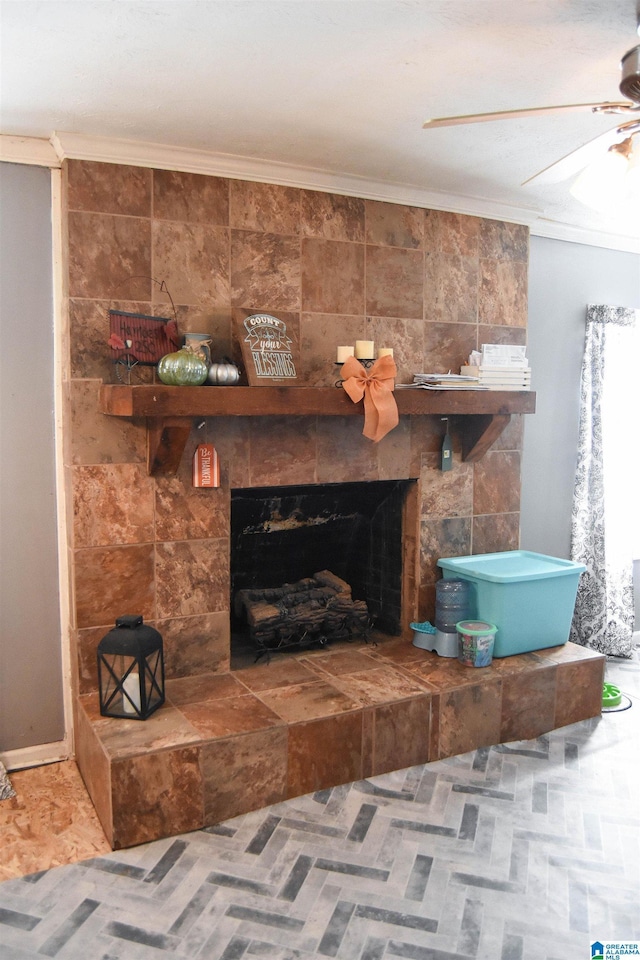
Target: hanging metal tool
[{"x": 446, "y": 452}]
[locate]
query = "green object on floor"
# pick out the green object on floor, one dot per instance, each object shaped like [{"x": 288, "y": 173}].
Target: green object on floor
[{"x": 611, "y": 696}]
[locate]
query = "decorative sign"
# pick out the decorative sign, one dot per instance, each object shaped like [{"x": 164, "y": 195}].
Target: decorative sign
[
  {"x": 268, "y": 350},
  {"x": 206, "y": 466},
  {"x": 145, "y": 339}
]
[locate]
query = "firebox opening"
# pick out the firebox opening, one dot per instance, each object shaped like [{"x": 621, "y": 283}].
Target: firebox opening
[{"x": 281, "y": 535}]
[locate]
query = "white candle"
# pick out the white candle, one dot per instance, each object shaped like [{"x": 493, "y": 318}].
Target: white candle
[
  {"x": 131, "y": 686},
  {"x": 364, "y": 349},
  {"x": 385, "y": 352},
  {"x": 343, "y": 353}
]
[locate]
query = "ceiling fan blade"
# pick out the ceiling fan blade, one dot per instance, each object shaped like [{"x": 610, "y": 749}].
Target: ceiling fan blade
[
  {"x": 622, "y": 107},
  {"x": 578, "y": 159}
]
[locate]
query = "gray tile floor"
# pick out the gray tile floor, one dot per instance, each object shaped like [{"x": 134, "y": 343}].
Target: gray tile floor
[{"x": 524, "y": 851}]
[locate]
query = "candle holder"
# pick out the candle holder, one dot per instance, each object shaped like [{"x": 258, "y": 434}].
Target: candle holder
[{"x": 367, "y": 364}]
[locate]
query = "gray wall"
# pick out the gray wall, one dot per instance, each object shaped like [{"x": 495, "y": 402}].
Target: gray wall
[
  {"x": 563, "y": 279},
  {"x": 31, "y": 703}
]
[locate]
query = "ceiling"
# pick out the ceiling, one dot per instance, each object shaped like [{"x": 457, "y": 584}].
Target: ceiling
[{"x": 330, "y": 93}]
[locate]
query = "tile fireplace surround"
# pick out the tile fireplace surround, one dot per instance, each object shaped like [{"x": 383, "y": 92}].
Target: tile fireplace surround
[{"x": 432, "y": 285}]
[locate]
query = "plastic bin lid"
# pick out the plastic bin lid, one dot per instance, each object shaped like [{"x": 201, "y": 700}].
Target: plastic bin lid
[{"x": 511, "y": 566}]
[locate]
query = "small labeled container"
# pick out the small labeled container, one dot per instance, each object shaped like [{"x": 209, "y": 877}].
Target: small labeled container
[{"x": 475, "y": 642}]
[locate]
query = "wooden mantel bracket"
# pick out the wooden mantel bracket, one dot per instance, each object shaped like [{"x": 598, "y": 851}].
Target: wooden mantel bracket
[
  {"x": 166, "y": 440},
  {"x": 480, "y": 432}
]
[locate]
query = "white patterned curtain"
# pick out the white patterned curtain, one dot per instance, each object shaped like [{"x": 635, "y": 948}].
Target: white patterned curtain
[{"x": 607, "y": 488}]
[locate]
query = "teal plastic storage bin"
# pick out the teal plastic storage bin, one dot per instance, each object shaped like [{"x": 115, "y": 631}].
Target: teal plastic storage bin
[{"x": 528, "y": 596}]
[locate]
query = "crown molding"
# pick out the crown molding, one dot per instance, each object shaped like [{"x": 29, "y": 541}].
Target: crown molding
[
  {"x": 62, "y": 146},
  {"x": 165, "y": 157},
  {"x": 554, "y": 230},
  {"x": 28, "y": 150}
]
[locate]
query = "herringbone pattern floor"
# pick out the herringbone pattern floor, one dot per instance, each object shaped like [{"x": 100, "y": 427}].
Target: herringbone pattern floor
[{"x": 523, "y": 851}]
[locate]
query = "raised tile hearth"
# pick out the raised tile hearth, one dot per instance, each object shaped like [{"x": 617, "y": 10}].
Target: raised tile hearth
[{"x": 227, "y": 743}]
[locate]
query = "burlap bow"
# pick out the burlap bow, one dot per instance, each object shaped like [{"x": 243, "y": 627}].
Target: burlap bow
[{"x": 376, "y": 386}]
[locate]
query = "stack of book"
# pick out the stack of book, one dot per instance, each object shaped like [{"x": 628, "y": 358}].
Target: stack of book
[
  {"x": 500, "y": 378},
  {"x": 499, "y": 367}
]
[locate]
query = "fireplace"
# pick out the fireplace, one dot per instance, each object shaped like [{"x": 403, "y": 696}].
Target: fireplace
[
  {"x": 282, "y": 535},
  {"x": 431, "y": 284}
]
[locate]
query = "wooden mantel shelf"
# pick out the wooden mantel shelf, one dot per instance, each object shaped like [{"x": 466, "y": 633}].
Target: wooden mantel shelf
[{"x": 170, "y": 411}]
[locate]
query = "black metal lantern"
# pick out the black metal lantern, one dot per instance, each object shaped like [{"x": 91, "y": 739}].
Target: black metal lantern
[{"x": 130, "y": 670}]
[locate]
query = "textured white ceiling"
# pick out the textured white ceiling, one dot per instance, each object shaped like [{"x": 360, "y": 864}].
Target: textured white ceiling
[{"x": 339, "y": 86}]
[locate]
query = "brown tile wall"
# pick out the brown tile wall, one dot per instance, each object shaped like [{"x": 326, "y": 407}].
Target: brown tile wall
[{"x": 432, "y": 285}]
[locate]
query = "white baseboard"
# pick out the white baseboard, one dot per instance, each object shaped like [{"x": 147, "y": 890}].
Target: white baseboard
[{"x": 35, "y": 756}]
